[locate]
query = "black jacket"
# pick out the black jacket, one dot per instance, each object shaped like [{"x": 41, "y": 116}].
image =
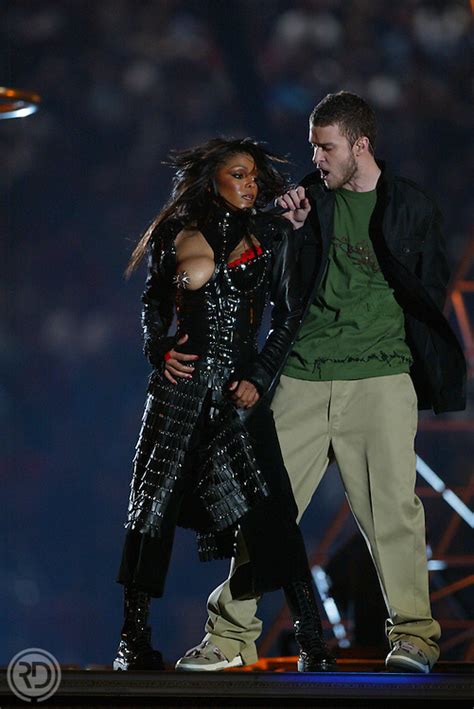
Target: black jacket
[{"x": 406, "y": 233}]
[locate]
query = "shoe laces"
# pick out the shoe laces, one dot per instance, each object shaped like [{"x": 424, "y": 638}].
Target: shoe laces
[
  {"x": 409, "y": 647},
  {"x": 198, "y": 651}
]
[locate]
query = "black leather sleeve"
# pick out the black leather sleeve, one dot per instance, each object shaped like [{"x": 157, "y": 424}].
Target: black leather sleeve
[
  {"x": 287, "y": 310},
  {"x": 435, "y": 269},
  {"x": 158, "y": 298}
]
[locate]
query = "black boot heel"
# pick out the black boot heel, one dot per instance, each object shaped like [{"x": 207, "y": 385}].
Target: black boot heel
[
  {"x": 314, "y": 653},
  {"x": 135, "y": 651}
]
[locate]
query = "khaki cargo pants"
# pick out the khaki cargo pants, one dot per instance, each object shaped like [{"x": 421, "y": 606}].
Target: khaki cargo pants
[{"x": 370, "y": 425}]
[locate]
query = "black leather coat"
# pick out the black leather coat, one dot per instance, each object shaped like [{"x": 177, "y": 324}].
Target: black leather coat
[
  {"x": 222, "y": 320},
  {"x": 409, "y": 243}
]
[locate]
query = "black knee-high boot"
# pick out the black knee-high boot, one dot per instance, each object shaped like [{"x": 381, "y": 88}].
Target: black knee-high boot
[
  {"x": 314, "y": 654},
  {"x": 135, "y": 651}
]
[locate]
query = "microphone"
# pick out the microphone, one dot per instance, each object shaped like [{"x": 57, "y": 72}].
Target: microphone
[{"x": 274, "y": 210}]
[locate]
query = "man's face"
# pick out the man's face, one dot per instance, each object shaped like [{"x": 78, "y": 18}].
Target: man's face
[{"x": 332, "y": 155}]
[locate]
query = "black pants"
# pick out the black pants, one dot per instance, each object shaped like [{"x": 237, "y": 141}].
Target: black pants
[{"x": 274, "y": 542}]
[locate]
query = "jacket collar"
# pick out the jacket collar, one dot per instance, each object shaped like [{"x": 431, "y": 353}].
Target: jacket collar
[
  {"x": 224, "y": 227},
  {"x": 325, "y": 198}
]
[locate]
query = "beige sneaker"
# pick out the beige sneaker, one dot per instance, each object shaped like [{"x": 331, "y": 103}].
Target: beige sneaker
[
  {"x": 206, "y": 657},
  {"x": 407, "y": 657}
]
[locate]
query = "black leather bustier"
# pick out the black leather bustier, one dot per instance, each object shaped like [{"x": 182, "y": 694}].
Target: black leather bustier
[{"x": 223, "y": 317}]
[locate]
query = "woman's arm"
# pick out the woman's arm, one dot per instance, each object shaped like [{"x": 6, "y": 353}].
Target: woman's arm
[{"x": 159, "y": 295}]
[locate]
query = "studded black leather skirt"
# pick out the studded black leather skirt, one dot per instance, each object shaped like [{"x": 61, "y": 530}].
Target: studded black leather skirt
[
  {"x": 199, "y": 465},
  {"x": 224, "y": 482}
]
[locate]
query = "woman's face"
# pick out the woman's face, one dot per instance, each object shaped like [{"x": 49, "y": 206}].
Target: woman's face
[{"x": 235, "y": 180}]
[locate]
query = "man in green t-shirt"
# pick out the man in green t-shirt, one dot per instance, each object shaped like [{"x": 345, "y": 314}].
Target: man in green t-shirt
[
  {"x": 354, "y": 328},
  {"x": 373, "y": 344}
]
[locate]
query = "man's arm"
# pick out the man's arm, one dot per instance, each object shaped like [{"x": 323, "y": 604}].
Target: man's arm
[
  {"x": 434, "y": 266},
  {"x": 286, "y": 314}
]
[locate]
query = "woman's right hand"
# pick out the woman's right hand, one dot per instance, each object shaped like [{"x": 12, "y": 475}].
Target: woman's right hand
[{"x": 178, "y": 364}]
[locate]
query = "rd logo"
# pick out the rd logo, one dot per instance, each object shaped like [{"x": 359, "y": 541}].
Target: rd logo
[{"x": 33, "y": 675}]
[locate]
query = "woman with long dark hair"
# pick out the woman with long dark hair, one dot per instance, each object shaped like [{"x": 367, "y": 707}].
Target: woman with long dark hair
[{"x": 207, "y": 456}]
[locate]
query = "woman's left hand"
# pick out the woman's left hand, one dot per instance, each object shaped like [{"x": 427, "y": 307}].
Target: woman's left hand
[{"x": 244, "y": 394}]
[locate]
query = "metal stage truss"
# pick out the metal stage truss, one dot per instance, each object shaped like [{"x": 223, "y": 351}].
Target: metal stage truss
[{"x": 450, "y": 554}]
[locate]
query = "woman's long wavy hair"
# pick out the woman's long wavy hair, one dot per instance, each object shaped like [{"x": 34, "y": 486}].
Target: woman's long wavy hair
[{"x": 194, "y": 189}]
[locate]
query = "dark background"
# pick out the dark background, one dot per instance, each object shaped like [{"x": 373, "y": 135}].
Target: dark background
[{"x": 123, "y": 82}]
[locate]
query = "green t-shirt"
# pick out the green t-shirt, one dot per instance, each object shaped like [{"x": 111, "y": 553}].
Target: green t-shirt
[{"x": 355, "y": 328}]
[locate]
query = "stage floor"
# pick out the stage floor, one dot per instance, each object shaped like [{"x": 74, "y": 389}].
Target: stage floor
[{"x": 268, "y": 684}]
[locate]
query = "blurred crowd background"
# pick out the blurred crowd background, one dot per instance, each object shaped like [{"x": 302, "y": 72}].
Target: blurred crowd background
[{"x": 123, "y": 82}]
